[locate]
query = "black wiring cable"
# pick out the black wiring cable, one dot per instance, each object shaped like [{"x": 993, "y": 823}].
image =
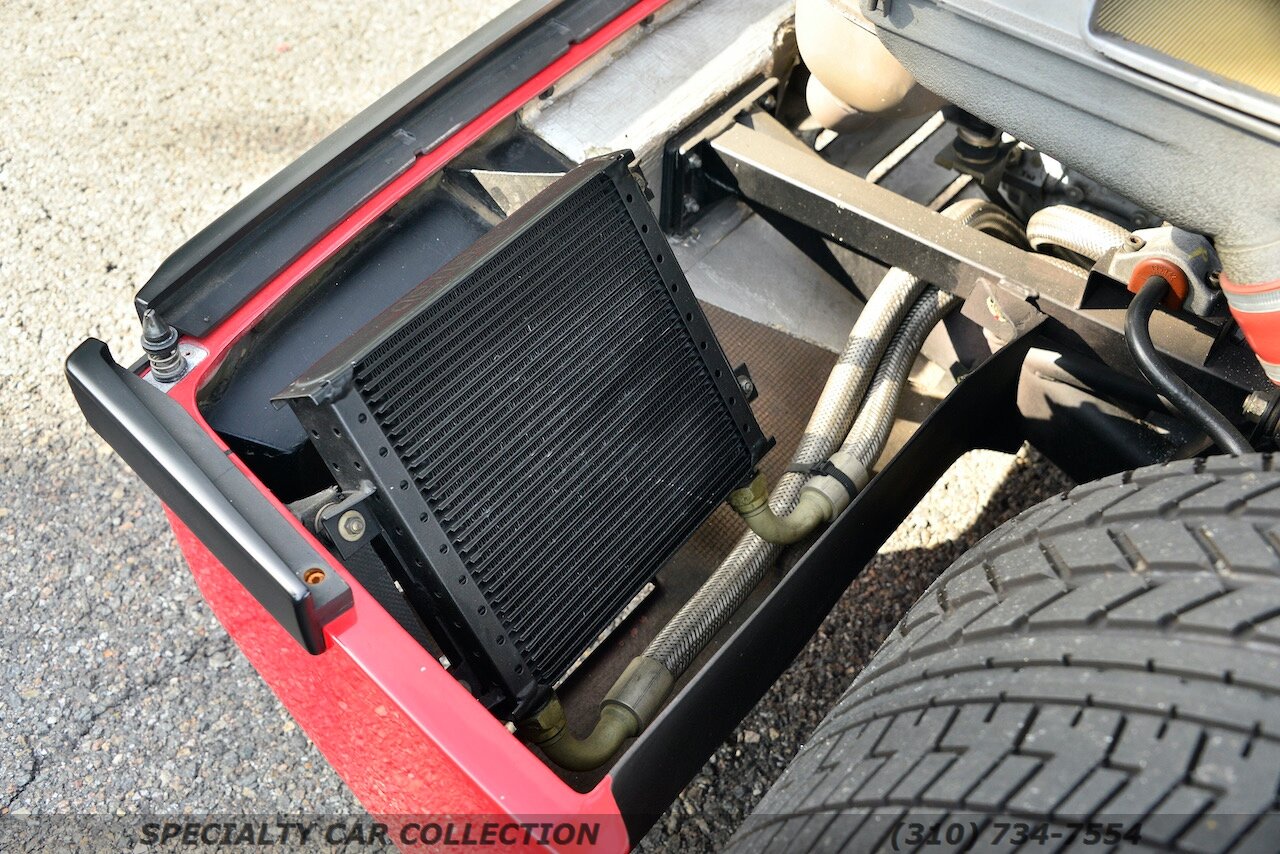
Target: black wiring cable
[{"x": 1197, "y": 410}]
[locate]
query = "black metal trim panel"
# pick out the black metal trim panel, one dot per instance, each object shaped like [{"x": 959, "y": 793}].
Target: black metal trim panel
[
  {"x": 179, "y": 461},
  {"x": 223, "y": 265}
]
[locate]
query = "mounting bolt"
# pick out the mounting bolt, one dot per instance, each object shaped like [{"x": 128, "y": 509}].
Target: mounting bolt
[
  {"x": 691, "y": 205},
  {"x": 694, "y": 160},
  {"x": 160, "y": 341},
  {"x": 1255, "y": 406},
  {"x": 351, "y": 526},
  {"x": 747, "y": 386}
]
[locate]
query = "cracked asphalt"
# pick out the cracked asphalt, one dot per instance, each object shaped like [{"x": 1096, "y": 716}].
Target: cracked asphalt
[{"x": 128, "y": 126}]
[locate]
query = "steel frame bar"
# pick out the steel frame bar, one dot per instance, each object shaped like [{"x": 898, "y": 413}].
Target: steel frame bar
[{"x": 777, "y": 177}]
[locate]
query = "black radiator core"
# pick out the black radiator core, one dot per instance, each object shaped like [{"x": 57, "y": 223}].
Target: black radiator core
[{"x": 544, "y": 422}]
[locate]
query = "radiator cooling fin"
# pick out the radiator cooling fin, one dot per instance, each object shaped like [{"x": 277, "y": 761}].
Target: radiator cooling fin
[{"x": 544, "y": 421}]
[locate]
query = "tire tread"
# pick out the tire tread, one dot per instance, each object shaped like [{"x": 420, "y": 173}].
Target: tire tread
[{"x": 1114, "y": 650}]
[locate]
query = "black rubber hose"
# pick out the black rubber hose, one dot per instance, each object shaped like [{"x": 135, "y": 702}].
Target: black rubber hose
[{"x": 1197, "y": 410}]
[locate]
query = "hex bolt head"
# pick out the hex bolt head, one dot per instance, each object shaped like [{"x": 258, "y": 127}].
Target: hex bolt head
[
  {"x": 1255, "y": 406},
  {"x": 351, "y": 526},
  {"x": 747, "y": 386}
]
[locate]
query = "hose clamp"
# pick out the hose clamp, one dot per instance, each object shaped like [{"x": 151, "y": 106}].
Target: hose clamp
[{"x": 826, "y": 468}]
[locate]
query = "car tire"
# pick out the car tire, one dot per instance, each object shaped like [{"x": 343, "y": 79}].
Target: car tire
[{"x": 1106, "y": 664}]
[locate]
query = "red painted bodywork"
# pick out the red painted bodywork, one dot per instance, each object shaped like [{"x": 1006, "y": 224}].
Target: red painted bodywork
[{"x": 402, "y": 733}]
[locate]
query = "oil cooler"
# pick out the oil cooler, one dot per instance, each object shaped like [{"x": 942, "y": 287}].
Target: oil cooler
[{"x": 540, "y": 425}]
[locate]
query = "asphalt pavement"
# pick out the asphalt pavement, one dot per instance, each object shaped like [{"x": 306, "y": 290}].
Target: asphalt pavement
[{"x": 127, "y": 126}]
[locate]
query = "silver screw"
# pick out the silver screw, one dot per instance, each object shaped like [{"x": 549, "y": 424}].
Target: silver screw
[
  {"x": 694, "y": 160},
  {"x": 351, "y": 526},
  {"x": 1254, "y": 406},
  {"x": 691, "y": 205},
  {"x": 747, "y": 386}
]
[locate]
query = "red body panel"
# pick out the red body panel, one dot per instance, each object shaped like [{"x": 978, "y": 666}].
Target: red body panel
[{"x": 402, "y": 733}]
